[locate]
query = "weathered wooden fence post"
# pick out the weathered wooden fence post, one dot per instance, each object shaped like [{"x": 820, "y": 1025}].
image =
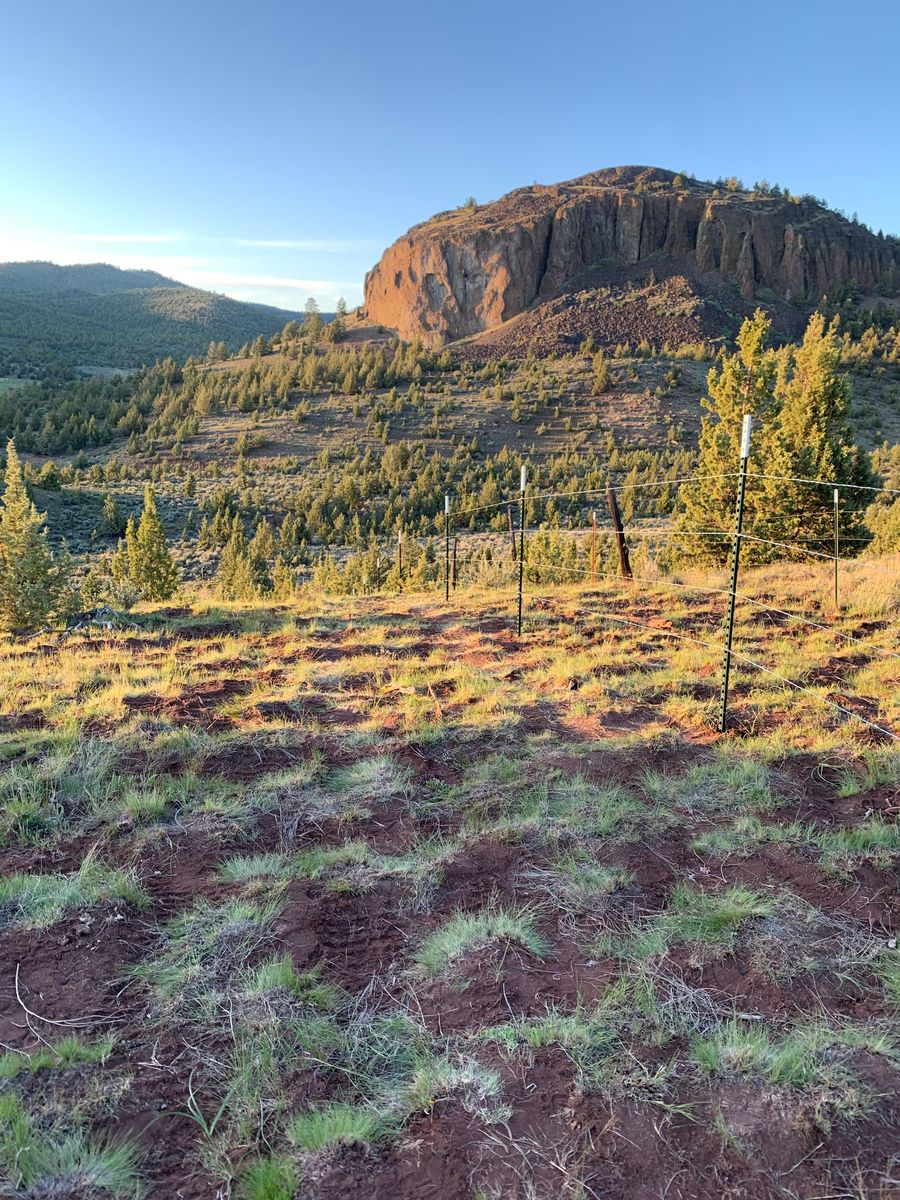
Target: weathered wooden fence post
[
  {"x": 735, "y": 559},
  {"x": 618, "y": 530},
  {"x": 522, "y": 482}
]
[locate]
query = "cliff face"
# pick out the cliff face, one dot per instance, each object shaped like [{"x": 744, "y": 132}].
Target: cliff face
[{"x": 470, "y": 270}]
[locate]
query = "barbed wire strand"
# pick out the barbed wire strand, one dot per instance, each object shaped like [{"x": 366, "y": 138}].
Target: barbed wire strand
[{"x": 850, "y": 562}]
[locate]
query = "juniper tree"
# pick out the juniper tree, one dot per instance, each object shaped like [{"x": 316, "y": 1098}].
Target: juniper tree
[
  {"x": 813, "y": 440},
  {"x": 801, "y": 433},
  {"x": 241, "y": 574},
  {"x": 113, "y": 522},
  {"x": 744, "y": 382},
  {"x": 143, "y": 559},
  {"x": 32, "y": 586}
]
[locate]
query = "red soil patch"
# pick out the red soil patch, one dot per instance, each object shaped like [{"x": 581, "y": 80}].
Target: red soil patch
[
  {"x": 67, "y": 974},
  {"x": 246, "y": 761},
  {"x": 17, "y": 722},
  {"x": 194, "y": 705}
]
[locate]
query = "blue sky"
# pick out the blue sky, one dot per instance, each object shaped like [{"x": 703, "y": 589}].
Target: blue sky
[{"x": 270, "y": 151}]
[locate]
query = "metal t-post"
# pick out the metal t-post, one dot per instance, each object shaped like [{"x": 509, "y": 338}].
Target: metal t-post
[
  {"x": 735, "y": 559},
  {"x": 521, "y": 545},
  {"x": 447, "y": 546},
  {"x": 837, "y": 536}
]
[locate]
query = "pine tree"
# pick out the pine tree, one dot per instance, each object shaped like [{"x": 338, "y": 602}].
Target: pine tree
[
  {"x": 812, "y": 440},
  {"x": 32, "y": 587},
  {"x": 150, "y": 566},
  {"x": 744, "y": 383}
]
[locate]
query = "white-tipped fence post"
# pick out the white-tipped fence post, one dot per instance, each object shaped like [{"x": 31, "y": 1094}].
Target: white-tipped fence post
[
  {"x": 522, "y": 482},
  {"x": 735, "y": 559},
  {"x": 447, "y": 546}
]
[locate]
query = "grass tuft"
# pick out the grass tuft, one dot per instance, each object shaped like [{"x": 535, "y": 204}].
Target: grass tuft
[{"x": 466, "y": 932}]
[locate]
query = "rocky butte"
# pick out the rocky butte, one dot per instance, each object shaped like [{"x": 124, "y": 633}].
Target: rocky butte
[{"x": 473, "y": 269}]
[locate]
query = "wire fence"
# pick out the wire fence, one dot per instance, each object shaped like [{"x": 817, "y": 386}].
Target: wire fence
[
  {"x": 514, "y": 552},
  {"x": 521, "y": 562}
]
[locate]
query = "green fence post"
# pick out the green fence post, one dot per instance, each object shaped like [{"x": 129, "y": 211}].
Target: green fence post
[
  {"x": 735, "y": 559},
  {"x": 447, "y": 546},
  {"x": 837, "y": 536},
  {"x": 522, "y": 482}
]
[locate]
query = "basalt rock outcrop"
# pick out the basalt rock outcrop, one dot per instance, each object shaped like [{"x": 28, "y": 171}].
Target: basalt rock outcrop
[{"x": 473, "y": 269}]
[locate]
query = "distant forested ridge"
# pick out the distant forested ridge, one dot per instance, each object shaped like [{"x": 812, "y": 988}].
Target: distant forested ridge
[{"x": 55, "y": 320}]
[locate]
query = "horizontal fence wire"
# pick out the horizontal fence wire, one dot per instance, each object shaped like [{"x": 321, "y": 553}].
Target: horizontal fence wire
[
  {"x": 629, "y": 487},
  {"x": 744, "y": 658},
  {"x": 860, "y": 487},
  {"x": 849, "y": 562},
  {"x": 664, "y": 581},
  {"x": 753, "y": 663},
  {"x": 515, "y": 497}
]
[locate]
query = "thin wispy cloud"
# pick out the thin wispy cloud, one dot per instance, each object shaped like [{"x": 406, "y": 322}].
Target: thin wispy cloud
[
  {"x": 122, "y": 238},
  {"x": 323, "y": 245}
]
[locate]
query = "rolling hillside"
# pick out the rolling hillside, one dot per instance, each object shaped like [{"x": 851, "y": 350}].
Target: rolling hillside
[{"x": 64, "y": 318}]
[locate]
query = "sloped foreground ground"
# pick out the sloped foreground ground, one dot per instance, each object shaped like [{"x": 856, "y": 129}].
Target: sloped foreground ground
[{"x": 372, "y": 899}]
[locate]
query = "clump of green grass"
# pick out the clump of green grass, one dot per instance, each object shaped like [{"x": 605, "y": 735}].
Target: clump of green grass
[
  {"x": 378, "y": 778},
  {"x": 254, "y": 866},
  {"x": 272, "y": 1178},
  {"x": 876, "y": 769},
  {"x": 466, "y": 932},
  {"x": 800, "y": 1059},
  {"x": 577, "y": 804},
  {"x": 74, "y": 779},
  {"x": 698, "y": 918},
  {"x": 36, "y": 901},
  {"x": 579, "y": 1029},
  {"x": 887, "y": 968},
  {"x": 477, "y": 1086},
  {"x": 65, "y": 1053},
  {"x": 313, "y": 864},
  {"x": 206, "y": 947},
  {"x": 45, "y": 1162},
  {"x": 728, "y": 784},
  {"x": 872, "y": 841},
  {"x": 280, "y": 974},
  {"x": 746, "y": 834},
  {"x": 584, "y": 875},
  {"x": 338, "y": 1124}
]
